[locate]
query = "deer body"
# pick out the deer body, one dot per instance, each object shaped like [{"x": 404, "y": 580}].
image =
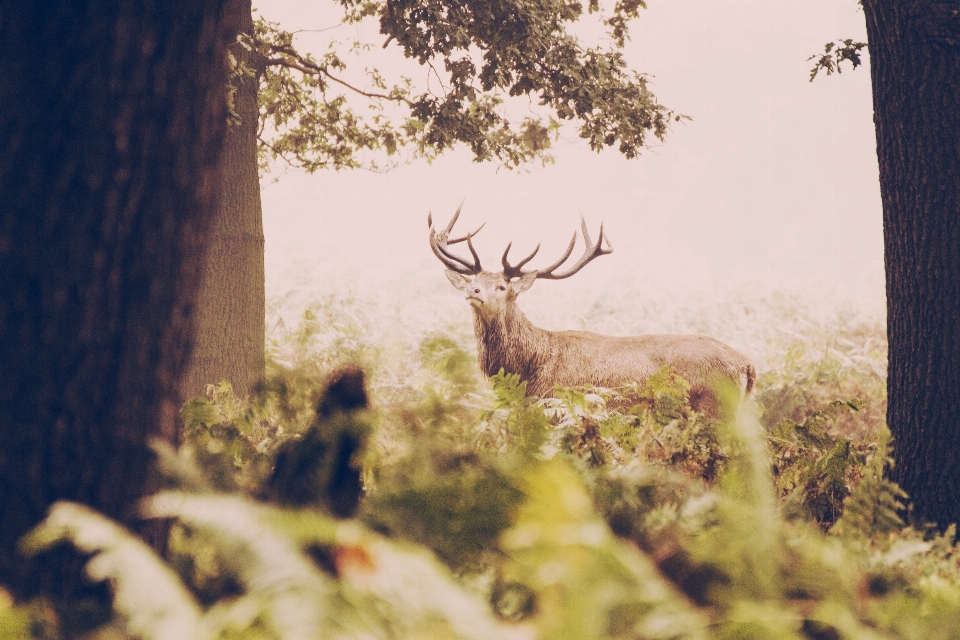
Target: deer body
[
  {"x": 507, "y": 340},
  {"x": 570, "y": 358}
]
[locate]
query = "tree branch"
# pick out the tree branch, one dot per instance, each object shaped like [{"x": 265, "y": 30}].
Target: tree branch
[
  {"x": 301, "y": 64},
  {"x": 834, "y": 54}
]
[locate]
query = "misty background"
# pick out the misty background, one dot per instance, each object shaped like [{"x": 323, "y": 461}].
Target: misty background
[{"x": 772, "y": 187}]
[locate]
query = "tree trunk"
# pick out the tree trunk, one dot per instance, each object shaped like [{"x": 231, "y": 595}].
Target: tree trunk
[
  {"x": 229, "y": 337},
  {"x": 915, "y": 66},
  {"x": 111, "y": 124}
]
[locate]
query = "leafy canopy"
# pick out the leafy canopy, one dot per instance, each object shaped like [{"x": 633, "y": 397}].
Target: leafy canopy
[{"x": 476, "y": 57}]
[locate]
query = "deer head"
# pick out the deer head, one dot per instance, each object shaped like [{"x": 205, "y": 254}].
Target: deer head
[{"x": 490, "y": 292}]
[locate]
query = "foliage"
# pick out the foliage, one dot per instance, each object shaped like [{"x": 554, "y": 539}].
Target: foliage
[
  {"x": 844, "y": 371},
  {"x": 515, "y": 422},
  {"x": 649, "y": 425},
  {"x": 814, "y": 469},
  {"x": 834, "y": 54},
  {"x": 477, "y": 58},
  {"x": 284, "y": 593},
  {"x": 18, "y": 622},
  {"x": 167, "y": 614},
  {"x": 873, "y": 508},
  {"x": 599, "y": 513}
]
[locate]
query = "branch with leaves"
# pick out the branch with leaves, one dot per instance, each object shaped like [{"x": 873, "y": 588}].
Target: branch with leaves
[
  {"x": 835, "y": 53},
  {"x": 484, "y": 54}
]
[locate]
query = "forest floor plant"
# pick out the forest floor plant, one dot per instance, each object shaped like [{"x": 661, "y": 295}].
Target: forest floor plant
[{"x": 598, "y": 513}]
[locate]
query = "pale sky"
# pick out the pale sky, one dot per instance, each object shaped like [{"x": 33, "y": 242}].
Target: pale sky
[{"x": 774, "y": 180}]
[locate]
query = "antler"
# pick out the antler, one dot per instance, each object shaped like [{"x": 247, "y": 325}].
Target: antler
[
  {"x": 591, "y": 251},
  {"x": 439, "y": 242}
]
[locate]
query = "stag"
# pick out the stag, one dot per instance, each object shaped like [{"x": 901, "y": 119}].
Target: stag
[{"x": 507, "y": 340}]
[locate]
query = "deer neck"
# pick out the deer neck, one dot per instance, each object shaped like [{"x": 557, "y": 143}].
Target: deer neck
[{"x": 509, "y": 341}]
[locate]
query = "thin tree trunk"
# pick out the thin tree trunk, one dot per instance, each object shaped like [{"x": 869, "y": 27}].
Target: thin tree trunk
[
  {"x": 230, "y": 305},
  {"x": 915, "y": 65},
  {"x": 111, "y": 123}
]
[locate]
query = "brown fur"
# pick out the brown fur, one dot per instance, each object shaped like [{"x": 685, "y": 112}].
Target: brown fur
[{"x": 507, "y": 339}]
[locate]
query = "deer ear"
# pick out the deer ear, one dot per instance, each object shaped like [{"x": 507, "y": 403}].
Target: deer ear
[
  {"x": 458, "y": 280},
  {"x": 524, "y": 282}
]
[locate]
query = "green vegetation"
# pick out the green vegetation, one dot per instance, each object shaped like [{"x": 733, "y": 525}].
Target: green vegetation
[
  {"x": 595, "y": 514},
  {"x": 483, "y": 55}
]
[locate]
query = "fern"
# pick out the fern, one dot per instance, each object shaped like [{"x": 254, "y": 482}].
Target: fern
[
  {"x": 379, "y": 585},
  {"x": 587, "y": 583},
  {"x": 815, "y": 468},
  {"x": 456, "y": 502},
  {"x": 873, "y": 509},
  {"x": 147, "y": 593},
  {"x": 515, "y": 422},
  {"x": 598, "y": 513},
  {"x": 293, "y": 599},
  {"x": 378, "y": 589},
  {"x": 747, "y": 540}
]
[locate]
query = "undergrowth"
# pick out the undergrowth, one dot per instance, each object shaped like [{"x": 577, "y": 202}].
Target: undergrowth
[{"x": 420, "y": 500}]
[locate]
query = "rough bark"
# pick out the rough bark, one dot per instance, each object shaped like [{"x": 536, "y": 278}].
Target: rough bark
[
  {"x": 915, "y": 66},
  {"x": 229, "y": 337},
  {"x": 111, "y": 123}
]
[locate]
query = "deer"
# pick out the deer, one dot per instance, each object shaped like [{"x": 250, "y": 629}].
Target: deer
[{"x": 544, "y": 360}]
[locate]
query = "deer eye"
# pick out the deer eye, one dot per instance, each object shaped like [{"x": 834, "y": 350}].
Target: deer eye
[{"x": 501, "y": 288}]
